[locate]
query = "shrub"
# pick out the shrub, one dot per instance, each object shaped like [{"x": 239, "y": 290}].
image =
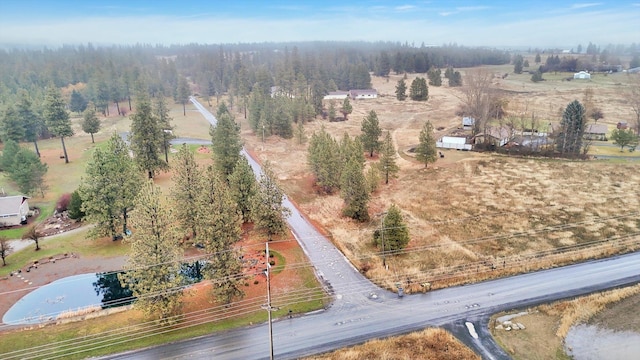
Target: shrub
[
  {"x": 63, "y": 203},
  {"x": 75, "y": 206}
]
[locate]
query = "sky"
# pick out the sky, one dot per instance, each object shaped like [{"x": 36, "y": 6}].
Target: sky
[{"x": 542, "y": 23}]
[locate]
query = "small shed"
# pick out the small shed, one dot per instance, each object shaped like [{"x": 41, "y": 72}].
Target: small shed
[
  {"x": 596, "y": 132},
  {"x": 453, "y": 142},
  {"x": 13, "y": 210},
  {"x": 582, "y": 75},
  {"x": 622, "y": 125},
  {"x": 468, "y": 122}
]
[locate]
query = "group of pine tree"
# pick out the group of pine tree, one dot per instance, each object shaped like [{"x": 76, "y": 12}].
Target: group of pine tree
[
  {"x": 341, "y": 165},
  {"x": 207, "y": 204}
]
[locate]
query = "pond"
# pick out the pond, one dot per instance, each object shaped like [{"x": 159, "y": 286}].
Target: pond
[
  {"x": 79, "y": 293},
  {"x": 589, "y": 342}
]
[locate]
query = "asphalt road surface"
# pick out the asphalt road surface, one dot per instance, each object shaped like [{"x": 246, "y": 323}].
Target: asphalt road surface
[{"x": 362, "y": 311}]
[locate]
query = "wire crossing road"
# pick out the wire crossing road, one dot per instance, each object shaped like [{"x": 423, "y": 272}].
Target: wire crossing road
[{"x": 362, "y": 311}]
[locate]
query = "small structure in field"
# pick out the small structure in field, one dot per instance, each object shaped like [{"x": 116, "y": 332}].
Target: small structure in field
[
  {"x": 453, "y": 142},
  {"x": 622, "y": 125},
  {"x": 468, "y": 122},
  {"x": 596, "y": 132},
  {"x": 363, "y": 94},
  {"x": 582, "y": 75},
  {"x": 13, "y": 210}
]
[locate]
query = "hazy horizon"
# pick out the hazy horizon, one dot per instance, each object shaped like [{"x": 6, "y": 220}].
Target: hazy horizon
[{"x": 504, "y": 24}]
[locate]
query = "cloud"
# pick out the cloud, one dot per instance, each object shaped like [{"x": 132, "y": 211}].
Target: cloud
[
  {"x": 471, "y": 8},
  {"x": 584, "y": 5},
  {"x": 461, "y": 9},
  {"x": 405, "y": 7}
]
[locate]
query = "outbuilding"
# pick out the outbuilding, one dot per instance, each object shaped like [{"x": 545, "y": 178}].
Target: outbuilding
[{"x": 582, "y": 75}]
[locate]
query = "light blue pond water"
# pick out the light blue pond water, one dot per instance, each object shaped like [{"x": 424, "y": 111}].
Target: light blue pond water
[
  {"x": 47, "y": 302},
  {"x": 80, "y": 292}
]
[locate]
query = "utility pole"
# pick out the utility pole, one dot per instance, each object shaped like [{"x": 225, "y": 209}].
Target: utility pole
[
  {"x": 384, "y": 259},
  {"x": 268, "y": 307}
]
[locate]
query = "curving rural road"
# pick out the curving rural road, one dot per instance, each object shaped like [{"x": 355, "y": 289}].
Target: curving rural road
[{"x": 362, "y": 311}]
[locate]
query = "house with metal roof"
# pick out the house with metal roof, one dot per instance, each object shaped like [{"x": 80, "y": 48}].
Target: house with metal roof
[{"x": 13, "y": 210}]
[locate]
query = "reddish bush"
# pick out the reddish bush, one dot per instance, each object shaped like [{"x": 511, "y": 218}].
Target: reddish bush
[{"x": 63, "y": 203}]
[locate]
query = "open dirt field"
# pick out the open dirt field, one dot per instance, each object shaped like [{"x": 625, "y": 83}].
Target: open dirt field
[{"x": 476, "y": 214}]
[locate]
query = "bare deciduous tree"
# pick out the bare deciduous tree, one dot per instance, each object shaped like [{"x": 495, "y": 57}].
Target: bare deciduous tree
[
  {"x": 33, "y": 235},
  {"x": 633, "y": 98},
  {"x": 476, "y": 98},
  {"x": 5, "y": 249}
]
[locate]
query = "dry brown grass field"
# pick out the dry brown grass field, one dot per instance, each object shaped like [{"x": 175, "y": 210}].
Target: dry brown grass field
[
  {"x": 476, "y": 215},
  {"x": 431, "y": 343}
]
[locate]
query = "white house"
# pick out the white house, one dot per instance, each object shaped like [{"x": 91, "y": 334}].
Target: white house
[
  {"x": 582, "y": 75},
  {"x": 336, "y": 95},
  {"x": 363, "y": 94},
  {"x": 13, "y": 210}
]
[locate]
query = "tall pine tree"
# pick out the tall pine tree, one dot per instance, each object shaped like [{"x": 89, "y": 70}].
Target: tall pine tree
[
  {"x": 371, "y": 133},
  {"x": 244, "y": 187},
  {"x": 387, "y": 162},
  {"x": 219, "y": 228},
  {"x": 269, "y": 212},
  {"x": 57, "y": 117},
  {"x": 569, "y": 140},
  {"x": 323, "y": 156},
  {"x": 33, "y": 124},
  {"x": 90, "y": 122},
  {"x": 153, "y": 267},
  {"x": 394, "y": 232},
  {"x": 401, "y": 90},
  {"x": 146, "y": 137},
  {"x": 226, "y": 142},
  {"x": 419, "y": 90},
  {"x": 108, "y": 192},
  {"x": 186, "y": 190},
  {"x": 161, "y": 111},
  {"x": 354, "y": 191},
  {"x": 426, "y": 151}
]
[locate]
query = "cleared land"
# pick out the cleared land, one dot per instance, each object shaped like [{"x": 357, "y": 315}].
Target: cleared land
[{"x": 476, "y": 215}]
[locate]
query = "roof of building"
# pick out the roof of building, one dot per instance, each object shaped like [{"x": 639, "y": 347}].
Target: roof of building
[
  {"x": 363, "y": 92},
  {"x": 596, "y": 129},
  {"x": 9, "y": 205}
]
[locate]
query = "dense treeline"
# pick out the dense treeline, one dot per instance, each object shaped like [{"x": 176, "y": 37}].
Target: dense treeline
[
  {"x": 274, "y": 85},
  {"x": 110, "y": 72}
]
